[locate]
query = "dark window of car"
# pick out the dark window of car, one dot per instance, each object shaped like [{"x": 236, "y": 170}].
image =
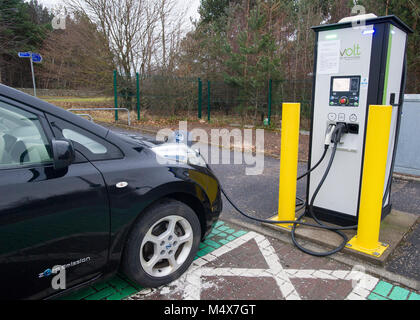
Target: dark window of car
[
  {"x": 90, "y": 145},
  {"x": 22, "y": 139}
]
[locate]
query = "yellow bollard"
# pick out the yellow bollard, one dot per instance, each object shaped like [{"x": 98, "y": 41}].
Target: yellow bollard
[
  {"x": 289, "y": 163},
  {"x": 373, "y": 181}
]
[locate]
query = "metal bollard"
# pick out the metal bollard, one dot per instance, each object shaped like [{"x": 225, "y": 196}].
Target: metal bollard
[
  {"x": 374, "y": 171},
  {"x": 289, "y": 162}
]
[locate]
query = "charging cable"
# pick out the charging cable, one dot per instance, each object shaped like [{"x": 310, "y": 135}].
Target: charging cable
[
  {"x": 328, "y": 139},
  {"x": 333, "y": 135}
]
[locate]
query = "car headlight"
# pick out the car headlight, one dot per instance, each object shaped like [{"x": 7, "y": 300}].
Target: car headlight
[{"x": 175, "y": 152}]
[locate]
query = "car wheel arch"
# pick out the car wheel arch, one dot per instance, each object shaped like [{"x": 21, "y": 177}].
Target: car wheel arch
[
  {"x": 191, "y": 200},
  {"x": 190, "y": 194},
  {"x": 195, "y": 204}
]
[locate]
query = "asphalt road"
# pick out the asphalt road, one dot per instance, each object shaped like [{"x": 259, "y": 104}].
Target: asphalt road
[{"x": 257, "y": 195}]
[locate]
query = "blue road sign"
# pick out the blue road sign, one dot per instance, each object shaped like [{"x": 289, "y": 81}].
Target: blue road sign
[
  {"x": 36, "y": 57},
  {"x": 24, "y": 54}
]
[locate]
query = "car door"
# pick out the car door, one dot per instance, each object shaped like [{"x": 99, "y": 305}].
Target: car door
[{"x": 48, "y": 218}]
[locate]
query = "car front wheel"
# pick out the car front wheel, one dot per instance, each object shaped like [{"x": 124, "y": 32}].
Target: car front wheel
[{"x": 162, "y": 244}]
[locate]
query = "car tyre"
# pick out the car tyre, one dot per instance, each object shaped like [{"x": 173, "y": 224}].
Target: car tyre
[{"x": 162, "y": 244}]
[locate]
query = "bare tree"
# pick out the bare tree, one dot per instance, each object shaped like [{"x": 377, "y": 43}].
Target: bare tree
[
  {"x": 126, "y": 24},
  {"x": 76, "y": 57},
  {"x": 141, "y": 33}
]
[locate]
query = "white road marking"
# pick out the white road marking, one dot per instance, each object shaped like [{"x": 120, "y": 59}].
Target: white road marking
[{"x": 190, "y": 284}]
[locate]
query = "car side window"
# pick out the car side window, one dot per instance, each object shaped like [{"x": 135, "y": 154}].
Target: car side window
[
  {"x": 91, "y": 146},
  {"x": 22, "y": 139}
]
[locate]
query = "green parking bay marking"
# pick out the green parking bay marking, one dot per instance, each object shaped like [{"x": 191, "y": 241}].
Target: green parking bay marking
[
  {"x": 119, "y": 287},
  {"x": 387, "y": 291}
]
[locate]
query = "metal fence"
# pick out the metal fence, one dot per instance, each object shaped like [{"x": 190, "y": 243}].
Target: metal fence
[
  {"x": 264, "y": 102},
  {"x": 169, "y": 95},
  {"x": 175, "y": 96}
]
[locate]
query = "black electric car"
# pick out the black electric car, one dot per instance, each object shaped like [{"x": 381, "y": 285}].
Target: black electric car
[{"x": 80, "y": 197}]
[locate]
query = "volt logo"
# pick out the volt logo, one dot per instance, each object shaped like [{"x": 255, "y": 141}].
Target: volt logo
[{"x": 351, "y": 52}]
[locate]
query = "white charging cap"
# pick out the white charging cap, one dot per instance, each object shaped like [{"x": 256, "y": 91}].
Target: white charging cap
[{"x": 358, "y": 17}]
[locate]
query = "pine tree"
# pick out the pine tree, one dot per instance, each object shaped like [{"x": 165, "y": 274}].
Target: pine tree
[
  {"x": 18, "y": 32},
  {"x": 254, "y": 62},
  {"x": 212, "y": 10},
  {"x": 409, "y": 13}
]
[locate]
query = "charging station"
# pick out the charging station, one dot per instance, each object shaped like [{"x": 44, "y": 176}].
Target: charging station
[{"x": 356, "y": 65}]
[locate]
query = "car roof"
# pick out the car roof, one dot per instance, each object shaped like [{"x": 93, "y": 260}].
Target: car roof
[{"x": 46, "y": 107}]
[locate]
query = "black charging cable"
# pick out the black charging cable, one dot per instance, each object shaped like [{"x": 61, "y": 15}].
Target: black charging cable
[
  {"x": 337, "y": 133},
  {"x": 328, "y": 139},
  {"x": 317, "y": 165},
  {"x": 336, "y": 137}
]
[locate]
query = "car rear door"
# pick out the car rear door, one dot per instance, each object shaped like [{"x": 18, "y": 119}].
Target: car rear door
[{"x": 48, "y": 218}]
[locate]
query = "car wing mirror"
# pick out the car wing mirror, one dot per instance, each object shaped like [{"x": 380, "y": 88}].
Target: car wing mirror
[{"x": 63, "y": 153}]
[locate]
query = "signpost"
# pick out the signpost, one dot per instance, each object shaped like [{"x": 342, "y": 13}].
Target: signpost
[
  {"x": 24, "y": 54},
  {"x": 34, "y": 58}
]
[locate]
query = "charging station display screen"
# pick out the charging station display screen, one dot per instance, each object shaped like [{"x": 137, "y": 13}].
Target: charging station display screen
[
  {"x": 345, "y": 91},
  {"x": 341, "y": 85}
]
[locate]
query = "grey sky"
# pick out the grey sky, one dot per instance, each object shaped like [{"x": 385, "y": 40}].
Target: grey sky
[{"x": 191, "y": 5}]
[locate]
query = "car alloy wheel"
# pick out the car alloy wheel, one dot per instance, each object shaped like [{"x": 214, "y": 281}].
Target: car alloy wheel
[
  {"x": 162, "y": 244},
  {"x": 166, "y": 246}
]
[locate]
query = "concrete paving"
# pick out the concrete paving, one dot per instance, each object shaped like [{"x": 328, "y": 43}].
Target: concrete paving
[{"x": 393, "y": 229}]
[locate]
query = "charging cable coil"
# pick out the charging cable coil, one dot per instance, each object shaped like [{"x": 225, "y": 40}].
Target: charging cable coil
[{"x": 334, "y": 135}]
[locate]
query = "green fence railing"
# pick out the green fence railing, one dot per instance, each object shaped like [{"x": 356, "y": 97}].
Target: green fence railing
[{"x": 183, "y": 96}]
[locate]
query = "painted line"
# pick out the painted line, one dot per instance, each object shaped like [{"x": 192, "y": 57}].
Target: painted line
[{"x": 191, "y": 284}]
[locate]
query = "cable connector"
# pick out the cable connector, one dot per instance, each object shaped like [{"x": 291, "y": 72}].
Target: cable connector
[
  {"x": 340, "y": 129},
  {"x": 328, "y": 136}
]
